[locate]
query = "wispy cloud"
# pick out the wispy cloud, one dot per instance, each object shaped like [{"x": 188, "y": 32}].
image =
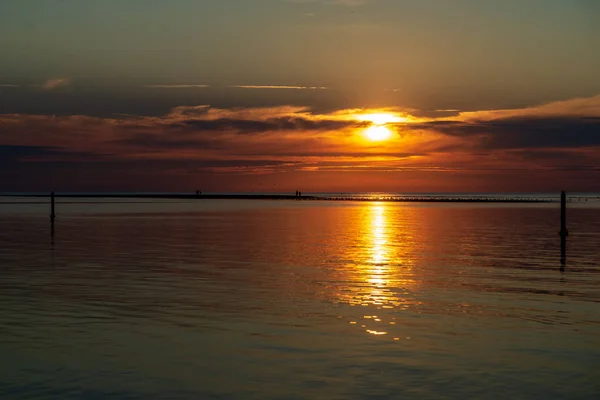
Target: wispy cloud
[
  {"x": 8, "y": 85},
  {"x": 350, "y": 3},
  {"x": 566, "y": 124},
  {"x": 280, "y": 87},
  {"x": 55, "y": 83},
  {"x": 579, "y": 107},
  {"x": 182, "y": 86},
  {"x": 347, "y": 3}
]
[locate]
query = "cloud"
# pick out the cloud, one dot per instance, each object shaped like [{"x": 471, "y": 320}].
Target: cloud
[
  {"x": 256, "y": 120},
  {"x": 10, "y": 155},
  {"x": 565, "y": 124},
  {"x": 526, "y": 132},
  {"x": 347, "y": 3},
  {"x": 271, "y": 124},
  {"x": 183, "y": 86},
  {"x": 579, "y": 107},
  {"x": 8, "y": 85},
  {"x": 52, "y": 84},
  {"x": 202, "y": 127},
  {"x": 279, "y": 87}
]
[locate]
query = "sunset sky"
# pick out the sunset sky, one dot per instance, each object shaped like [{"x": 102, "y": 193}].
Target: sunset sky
[{"x": 316, "y": 95}]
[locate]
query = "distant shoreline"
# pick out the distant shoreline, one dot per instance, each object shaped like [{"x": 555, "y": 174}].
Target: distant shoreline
[{"x": 404, "y": 199}]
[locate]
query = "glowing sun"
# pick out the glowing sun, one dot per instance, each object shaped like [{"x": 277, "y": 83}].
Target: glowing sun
[{"x": 379, "y": 131}]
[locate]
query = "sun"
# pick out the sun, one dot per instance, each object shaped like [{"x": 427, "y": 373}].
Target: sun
[{"x": 378, "y": 133}]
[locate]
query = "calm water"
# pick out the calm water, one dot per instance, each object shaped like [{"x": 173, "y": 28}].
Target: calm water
[{"x": 297, "y": 300}]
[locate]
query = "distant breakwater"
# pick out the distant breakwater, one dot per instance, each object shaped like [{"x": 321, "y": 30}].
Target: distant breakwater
[{"x": 421, "y": 199}]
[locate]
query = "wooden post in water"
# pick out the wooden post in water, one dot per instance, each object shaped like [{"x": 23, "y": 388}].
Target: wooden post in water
[
  {"x": 563, "y": 214},
  {"x": 52, "y": 214},
  {"x": 563, "y": 230}
]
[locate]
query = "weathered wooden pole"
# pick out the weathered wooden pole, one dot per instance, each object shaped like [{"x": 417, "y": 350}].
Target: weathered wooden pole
[
  {"x": 52, "y": 213},
  {"x": 563, "y": 214},
  {"x": 563, "y": 230},
  {"x": 563, "y": 253}
]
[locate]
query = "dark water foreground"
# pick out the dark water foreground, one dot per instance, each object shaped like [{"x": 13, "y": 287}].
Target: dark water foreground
[{"x": 177, "y": 299}]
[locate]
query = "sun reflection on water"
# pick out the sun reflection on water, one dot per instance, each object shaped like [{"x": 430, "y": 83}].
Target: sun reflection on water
[
  {"x": 379, "y": 236},
  {"x": 377, "y": 266},
  {"x": 381, "y": 278}
]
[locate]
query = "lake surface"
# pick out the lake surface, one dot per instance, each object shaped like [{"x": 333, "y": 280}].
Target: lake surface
[{"x": 297, "y": 300}]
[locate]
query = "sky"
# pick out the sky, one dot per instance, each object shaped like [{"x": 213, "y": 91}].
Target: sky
[{"x": 311, "y": 95}]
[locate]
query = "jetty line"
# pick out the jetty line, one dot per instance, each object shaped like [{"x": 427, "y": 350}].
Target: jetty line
[{"x": 250, "y": 196}]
